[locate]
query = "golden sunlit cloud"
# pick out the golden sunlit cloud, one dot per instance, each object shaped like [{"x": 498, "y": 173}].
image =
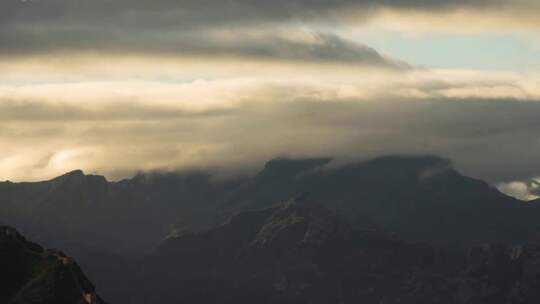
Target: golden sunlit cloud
[
  {"x": 150, "y": 114},
  {"x": 118, "y": 87}
]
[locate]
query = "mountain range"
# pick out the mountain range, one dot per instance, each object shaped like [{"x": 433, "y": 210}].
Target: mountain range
[{"x": 288, "y": 234}]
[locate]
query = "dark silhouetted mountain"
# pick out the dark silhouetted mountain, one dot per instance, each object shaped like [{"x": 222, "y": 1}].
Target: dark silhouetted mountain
[
  {"x": 296, "y": 252},
  {"x": 301, "y": 252},
  {"x": 127, "y": 217},
  {"x": 33, "y": 275},
  {"x": 107, "y": 225},
  {"x": 420, "y": 198}
]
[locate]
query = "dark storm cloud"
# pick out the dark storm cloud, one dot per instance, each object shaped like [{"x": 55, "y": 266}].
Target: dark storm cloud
[
  {"x": 205, "y": 12},
  {"x": 305, "y": 46},
  {"x": 182, "y": 26}
]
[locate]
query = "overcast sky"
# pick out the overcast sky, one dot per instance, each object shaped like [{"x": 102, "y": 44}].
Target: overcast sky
[{"x": 118, "y": 86}]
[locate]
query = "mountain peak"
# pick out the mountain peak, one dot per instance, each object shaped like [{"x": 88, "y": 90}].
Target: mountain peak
[
  {"x": 78, "y": 176},
  {"x": 78, "y": 180},
  {"x": 75, "y": 174},
  {"x": 299, "y": 220}
]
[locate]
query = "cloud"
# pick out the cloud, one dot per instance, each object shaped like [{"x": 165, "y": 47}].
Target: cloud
[
  {"x": 32, "y": 111},
  {"x": 524, "y": 190},
  {"x": 212, "y": 27},
  {"x": 488, "y": 125},
  {"x": 495, "y": 17},
  {"x": 168, "y": 84},
  {"x": 189, "y": 13},
  {"x": 269, "y": 44}
]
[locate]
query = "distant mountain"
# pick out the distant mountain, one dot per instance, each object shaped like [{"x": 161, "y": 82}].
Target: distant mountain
[
  {"x": 33, "y": 275},
  {"x": 127, "y": 217},
  {"x": 108, "y": 226},
  {"x": 300, "y": 252},
  {"x": 419, "y": 198}
]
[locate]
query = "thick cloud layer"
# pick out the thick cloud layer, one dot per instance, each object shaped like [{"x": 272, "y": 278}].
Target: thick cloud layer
[
  {"x": 290, "y": 45},
  {"x": 490, "y": 136},
  {"x": 187, "y": 26},
  {"x": 208, "y": 12},
  {"x": 117, "y": 86}
]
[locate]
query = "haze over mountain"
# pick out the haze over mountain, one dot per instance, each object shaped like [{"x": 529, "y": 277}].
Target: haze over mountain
[
  {"x": 109, "y": 225},
  {"x": 403, "y": 194}
]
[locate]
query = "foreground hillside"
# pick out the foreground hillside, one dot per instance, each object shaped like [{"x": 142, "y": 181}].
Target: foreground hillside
[{"x": 33, "y": 275}]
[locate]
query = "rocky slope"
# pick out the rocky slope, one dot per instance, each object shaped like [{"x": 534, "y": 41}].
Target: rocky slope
[{"x": 33, "y": 275}]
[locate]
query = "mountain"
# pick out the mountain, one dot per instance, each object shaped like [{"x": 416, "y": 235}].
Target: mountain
[
  {"x": 127, "y": 217},
  {"x": 420, "y": 198},
  {"x": 110, "y": 226},
  {"x": 31, "y": 274},
  {"x": 106, "y": 225},
  {"x": 301, "y": 252},
  {"x": 296, "y": 252}
]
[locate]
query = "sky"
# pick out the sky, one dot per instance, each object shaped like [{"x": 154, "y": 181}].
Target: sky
[{"x": 118, "y": 87}]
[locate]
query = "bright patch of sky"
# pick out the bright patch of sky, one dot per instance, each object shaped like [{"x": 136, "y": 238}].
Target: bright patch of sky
[{"x": 489, "y": 51}]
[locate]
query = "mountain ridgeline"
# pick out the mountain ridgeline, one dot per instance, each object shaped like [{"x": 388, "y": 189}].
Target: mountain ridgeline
[
  {"x": 419, "y": 198},
  {"x": 386, "y": 230}
]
